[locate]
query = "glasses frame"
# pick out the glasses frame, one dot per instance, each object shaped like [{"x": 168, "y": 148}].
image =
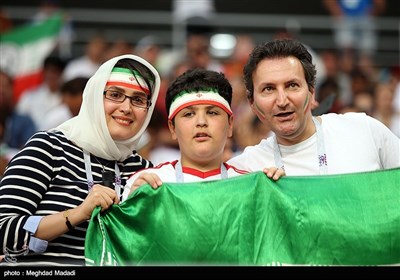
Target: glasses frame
[{"x": 148, "y": 102}]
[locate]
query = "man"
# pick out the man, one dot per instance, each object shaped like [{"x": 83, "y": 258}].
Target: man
[{"x": 280, "y": 82}]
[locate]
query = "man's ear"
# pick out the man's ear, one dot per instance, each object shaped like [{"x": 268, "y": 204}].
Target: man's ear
[
  {"x": 250, "y": 99},
  {"x": 248, "y": 95},
  {"x": 251, "y": 103}
]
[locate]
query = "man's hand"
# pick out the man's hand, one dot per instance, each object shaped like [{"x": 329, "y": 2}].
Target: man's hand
[{"x": 274, "y": 172}]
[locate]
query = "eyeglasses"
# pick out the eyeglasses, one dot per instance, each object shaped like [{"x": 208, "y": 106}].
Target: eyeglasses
[{"x": 119, "y": 97}]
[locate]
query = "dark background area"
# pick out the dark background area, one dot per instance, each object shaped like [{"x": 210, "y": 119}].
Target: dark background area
[
  {"x": 308, "y": 7},
  {"x": 133, "y": 20}
]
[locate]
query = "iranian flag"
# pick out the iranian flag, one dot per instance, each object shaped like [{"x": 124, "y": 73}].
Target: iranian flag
[
  {"x": 24, "y": 49},
  {"x": 347, "y": 219}
]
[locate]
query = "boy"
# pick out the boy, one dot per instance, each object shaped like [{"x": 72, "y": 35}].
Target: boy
[{"x": 200, "y": 118}]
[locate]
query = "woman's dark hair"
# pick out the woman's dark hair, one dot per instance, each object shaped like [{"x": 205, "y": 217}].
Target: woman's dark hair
[{"x": 145, "y": 72}]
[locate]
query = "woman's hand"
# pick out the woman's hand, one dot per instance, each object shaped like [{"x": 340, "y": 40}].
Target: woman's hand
[{"x": 99, "y": 195}]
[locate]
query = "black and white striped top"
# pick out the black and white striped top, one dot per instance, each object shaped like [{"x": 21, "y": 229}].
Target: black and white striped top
[{"x": 46, "y": 177}]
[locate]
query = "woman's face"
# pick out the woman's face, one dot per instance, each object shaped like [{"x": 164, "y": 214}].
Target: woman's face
[{"x": 124, "y": 120}]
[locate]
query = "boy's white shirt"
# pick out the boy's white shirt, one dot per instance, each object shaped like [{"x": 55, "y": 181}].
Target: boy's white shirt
[{"x": 167, "y": 173}]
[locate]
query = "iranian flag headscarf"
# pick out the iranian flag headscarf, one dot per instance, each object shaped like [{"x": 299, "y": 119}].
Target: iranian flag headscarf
[{"x": 89, "y": 129}]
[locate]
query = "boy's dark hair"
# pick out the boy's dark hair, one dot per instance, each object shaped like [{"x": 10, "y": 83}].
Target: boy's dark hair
[
  {"x": 279, "y": 49},
  {"x": 198, "y": 79}
]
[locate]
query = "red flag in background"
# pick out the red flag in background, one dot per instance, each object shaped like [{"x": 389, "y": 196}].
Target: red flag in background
[{"x": 24, "y": 49}]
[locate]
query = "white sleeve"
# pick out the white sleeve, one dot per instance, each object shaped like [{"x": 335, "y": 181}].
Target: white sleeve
[{"x": 386, "y": 142}]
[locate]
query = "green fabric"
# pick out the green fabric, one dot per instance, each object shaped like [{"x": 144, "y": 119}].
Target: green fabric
[
  {"x": 32, "y": 32},
  {"x": 351, "y": 219}
]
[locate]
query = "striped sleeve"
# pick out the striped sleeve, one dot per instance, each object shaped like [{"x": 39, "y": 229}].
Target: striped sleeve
[
  {"x": 48, "y": 176},
  {"x": 22, "y": 188}
]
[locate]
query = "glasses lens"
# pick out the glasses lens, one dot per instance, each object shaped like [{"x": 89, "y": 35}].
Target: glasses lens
[
  {"x": 139, "y": 101},
  {"x": 115, "y": 95}
]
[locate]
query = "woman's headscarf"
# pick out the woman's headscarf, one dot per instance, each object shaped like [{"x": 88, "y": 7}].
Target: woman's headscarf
[{"x": 89, "y": 129}]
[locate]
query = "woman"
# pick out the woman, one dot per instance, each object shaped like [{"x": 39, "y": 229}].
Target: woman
[{"x": 51, "y": 187}]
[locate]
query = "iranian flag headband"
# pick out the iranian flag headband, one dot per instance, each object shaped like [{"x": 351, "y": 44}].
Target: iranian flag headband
[
  {"x": 124, "y": 77},
  {"x": 186, "y": 99}
]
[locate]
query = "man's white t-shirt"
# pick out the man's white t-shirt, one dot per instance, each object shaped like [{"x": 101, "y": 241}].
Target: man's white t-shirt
[{"x": 353, "y": 142}]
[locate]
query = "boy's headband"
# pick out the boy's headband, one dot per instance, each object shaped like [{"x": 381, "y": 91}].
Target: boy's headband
[
  {"x": 124, "y": 77},
  {"x": 185, "y": 99}
]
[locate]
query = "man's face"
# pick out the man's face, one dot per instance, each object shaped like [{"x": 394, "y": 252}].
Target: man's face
[{"x": 282, "y": 99}]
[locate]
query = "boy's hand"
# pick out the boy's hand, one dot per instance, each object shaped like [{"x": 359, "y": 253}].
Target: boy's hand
[{"x": 146, "y": 178}]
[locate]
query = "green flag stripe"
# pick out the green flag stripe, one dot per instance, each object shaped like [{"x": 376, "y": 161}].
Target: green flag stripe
[{"x": 29, "y": 33}]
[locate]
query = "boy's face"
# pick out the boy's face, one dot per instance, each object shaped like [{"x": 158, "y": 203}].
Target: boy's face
[{"x": 202, "y": 131}]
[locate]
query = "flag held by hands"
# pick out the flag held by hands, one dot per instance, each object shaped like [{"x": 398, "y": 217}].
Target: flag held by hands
[{"x": 351, "y": 219}]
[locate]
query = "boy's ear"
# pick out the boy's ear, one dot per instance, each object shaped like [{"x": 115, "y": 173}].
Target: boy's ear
[
  {"x": 171, "y": 127},
  {"x": 230, "y": 131}
]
